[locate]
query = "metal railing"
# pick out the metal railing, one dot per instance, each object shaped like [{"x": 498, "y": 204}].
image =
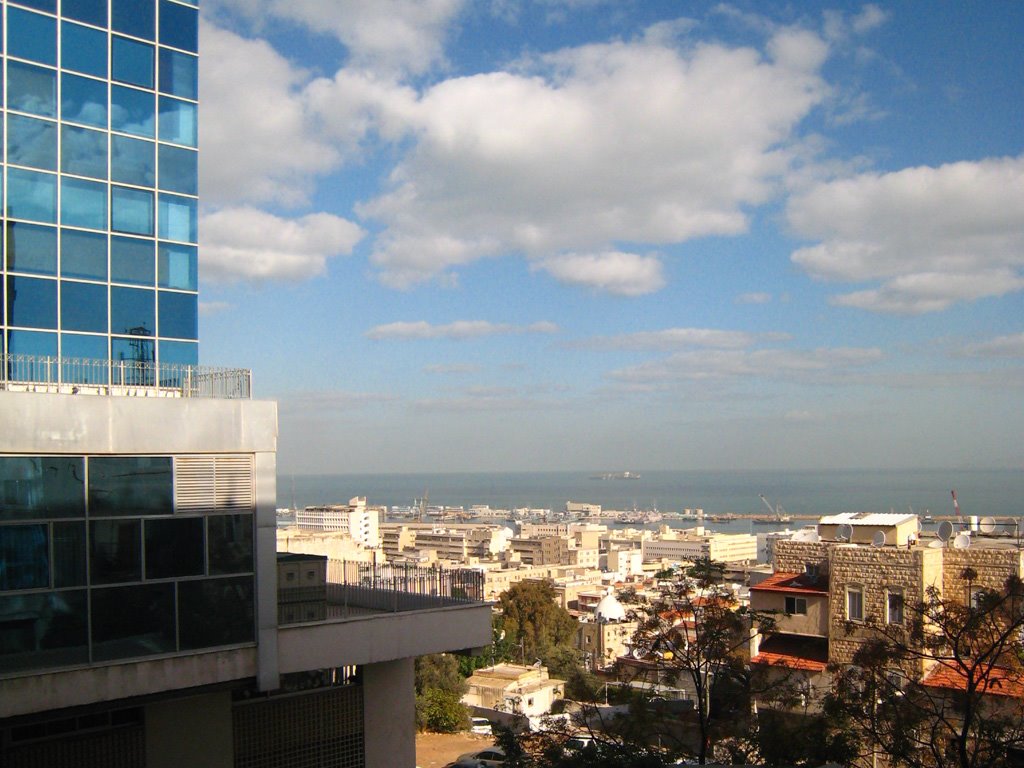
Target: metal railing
[
  {"x": 401, "y": 587},
  {"x": 74, "y": 375}
]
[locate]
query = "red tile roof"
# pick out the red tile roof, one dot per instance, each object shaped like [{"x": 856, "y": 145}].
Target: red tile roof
[
  {"x": 790, "y": 662},
  {"x": 794, "y": 652},
  {"x": 1000, "y": 681},
  {"x": 791, "y": 583}
]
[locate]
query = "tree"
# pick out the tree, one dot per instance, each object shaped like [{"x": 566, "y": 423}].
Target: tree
[
  {"x": 945, "y": 688},
  {"x": 534, "y": 624},
  {"x": 439, "y": 689},
  {"x": 694, "y": 636}
]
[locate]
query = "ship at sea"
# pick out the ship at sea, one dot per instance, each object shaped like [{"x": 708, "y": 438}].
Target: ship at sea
[{"x": 627, "y": 475}]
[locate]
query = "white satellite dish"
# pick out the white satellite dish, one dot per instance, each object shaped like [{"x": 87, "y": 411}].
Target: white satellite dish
[
  {"x": 962, "y": 541},
  {"x": 878, "y": 539},
  {"x": 936, "y": 544},
  {"x": 945, "y": 531},
  {"x": 987, "y": 525},
  {"x": 844, "y": 532}
]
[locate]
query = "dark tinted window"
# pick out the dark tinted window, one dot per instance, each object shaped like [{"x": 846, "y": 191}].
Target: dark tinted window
[
  {"x": 179, "y": 26},
  {"x": 83, "y": 49},
  {"x": 133, "y": 18},
  {"x": 69, "y": 554},
  {"x": 215, "y": 612},
  {"x": 115, "y": 551},
  {"x": 45, "y": 630},
  {"x": 174, "y": 547},
  {"x": 36, "y": 487},
  {"x": 130, "y": 485},
  {"x": 31, "y": 248},
  {"x": 83, "y": 307},
  {"x": 132, "y": 621},
  {"x": 89, "y": 11},
  {"x": 179, "y": 315},
  {"x": 133, "y": 311},
  {"x": 24, "y": 557},
  {"x": 83, "y": 254},
  {"x": 132, "y": 261},
  {"x": 230, "y": 543},
  {"x": 31, "y": 302}
]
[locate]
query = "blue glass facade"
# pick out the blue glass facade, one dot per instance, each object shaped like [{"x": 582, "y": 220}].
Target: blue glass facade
[{"x": 100, "y": 179}]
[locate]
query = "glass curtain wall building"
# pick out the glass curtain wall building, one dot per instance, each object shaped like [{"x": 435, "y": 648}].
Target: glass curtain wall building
[{"x": 100, "y": 181}]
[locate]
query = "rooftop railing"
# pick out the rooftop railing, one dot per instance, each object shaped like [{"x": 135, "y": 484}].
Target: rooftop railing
[{"x": 72, "y": 375}]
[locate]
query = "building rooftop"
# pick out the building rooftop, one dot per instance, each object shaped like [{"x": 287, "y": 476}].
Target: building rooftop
[
  {"x": 794, "y": 652},
  {"x": 876, "y": 519},
  {"x": 1000, "y": 682},
  {"x": 793, "y": 583}
]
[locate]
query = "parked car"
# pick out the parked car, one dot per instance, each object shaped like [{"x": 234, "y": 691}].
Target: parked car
[
  {"x": 492, "y": 757},
  {"x": 481, "y": 726}
]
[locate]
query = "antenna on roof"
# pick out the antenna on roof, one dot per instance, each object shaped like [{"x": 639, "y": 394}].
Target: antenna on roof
[
  {"x": 878, "y": 540},
  {"x": 844, "y": 532},
  {"x": 962, "y": 541}
]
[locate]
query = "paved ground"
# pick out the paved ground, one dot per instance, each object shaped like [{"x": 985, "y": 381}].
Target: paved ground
[{"x": 434, "y": 750}]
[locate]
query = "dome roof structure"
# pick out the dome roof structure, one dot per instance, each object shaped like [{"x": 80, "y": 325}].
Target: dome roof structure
[{"x": 609, "y": 609}]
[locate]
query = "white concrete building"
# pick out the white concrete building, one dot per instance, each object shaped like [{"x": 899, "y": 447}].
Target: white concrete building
[
  {"x": 355, "y": 519},
  {"x": 694, "y": 543}
]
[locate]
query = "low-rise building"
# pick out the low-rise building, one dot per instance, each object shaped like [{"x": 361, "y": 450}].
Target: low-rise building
[
  {"x": 695, "y": 543},
  {"x": 514, "y": 688}
]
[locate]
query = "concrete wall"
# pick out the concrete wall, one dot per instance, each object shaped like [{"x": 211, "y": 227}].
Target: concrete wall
[
  {"x": 815, "y": 622},
  {"x": 389, "y": 714},
  {"x": 791, "y": 556},
  {"x": 383, "y": 637},
  {"x": 194, "y": 732},
  {"x": 75, "y": 687}
]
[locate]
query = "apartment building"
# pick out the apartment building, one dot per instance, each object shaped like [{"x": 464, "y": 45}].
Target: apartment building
[
  {"x": 355, "y": 519},
  {"x": 695, "y": 543}
]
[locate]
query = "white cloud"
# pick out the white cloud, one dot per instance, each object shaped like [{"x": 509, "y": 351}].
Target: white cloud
[
  {"x": 258, "y": 136},
  {"x": 384, "y": 35},
  {"x": 621, "y": 142},
  {"x": 756, "y": 297},
  {"x": 931, "y": 236},
  {"x": 624, "y": 274},
  {"x": 1011, "y": 345},
  {"x": 247, "y": 244},
  {"x": 722, "y": 364},
  {"x": 461, "y": 329},
  {"x": 209, "y": 308},
  {"x": 680, "y": 338}
]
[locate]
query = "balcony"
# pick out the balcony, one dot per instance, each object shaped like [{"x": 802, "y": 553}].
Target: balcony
[
  {"x": 364, "y": 613},
  {"x": 133, "y": 378}
]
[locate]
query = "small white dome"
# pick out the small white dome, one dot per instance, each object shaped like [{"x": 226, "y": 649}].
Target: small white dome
[{"x": 609, "y": 609}]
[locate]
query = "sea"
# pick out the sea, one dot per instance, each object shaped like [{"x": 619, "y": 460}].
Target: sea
[{"x": 995, "y": 493}]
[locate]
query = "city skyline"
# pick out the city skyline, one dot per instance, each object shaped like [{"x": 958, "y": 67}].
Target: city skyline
[{"x": 570, "y": 235}]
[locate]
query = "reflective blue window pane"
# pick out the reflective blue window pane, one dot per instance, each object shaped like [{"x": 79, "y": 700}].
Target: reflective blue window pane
[
  {"x": 25, "y": 555},
  {"x": 75, "y": 347},
  {"x": 83, "y": 307},
  {"x": 131, "y": 62},
  {"x": 32, "y": 36},
  {"x": 31, "y": 89},
  {"x": 179, "y": 353},
  {"x": 137, "y": 350},
  {"x": 133, "y": 18},
  {"x": 83, "y": 254},
  {"x": 36, "y": 344},
  {"x": 83, "y": 203},
  {"x": 132, "y": 311},
  {"x": 179, "y": 170},
  {"x": 31, "y": 142},
  {"x": 31, "y": 195},
  {"x": 31, "y": 302},
  {"x": 132, "y": 261},
  {"x": 31, "y": 248},
  {"x": 42, "y": 5},
  {"x": 177, "y": 121},
  {"x": 131, "y": 211},
  {"x": 83, "y": 100},
  {"x": 132, "y": 111},
  {"x": 179, "y": 26},
  {"x": 132, "y": 161},
  {"x": 177, "y": 266},
  {"x": 177, "y": 218},
  {"x": 83, "y": 152},
  {"x": 83, "y": 49},
  {"x": 89, "y": 11},
  {"x": 179, "y": 74},
  {"x": 179, "y": 313}
]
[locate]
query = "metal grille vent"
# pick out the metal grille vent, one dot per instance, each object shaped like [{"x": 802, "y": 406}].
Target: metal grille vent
[{"x": 213, "y": 483}]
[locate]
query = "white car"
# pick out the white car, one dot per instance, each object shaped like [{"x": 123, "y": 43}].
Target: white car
[
  {"x": 481, "y": 726},
  {"x": 492, "y": 757}
]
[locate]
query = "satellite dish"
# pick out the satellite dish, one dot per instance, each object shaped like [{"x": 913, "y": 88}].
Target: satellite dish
[
  {"x": 987, "y": 525},
  {"x": 945, "y": 530},
  {"x": 962, "y": 541},
  {"x": 936, "y": 544},
  {"x": 808, "y": 536},
  {"x": 878, "y": 540},
  {"x": 844, "y": 532}
]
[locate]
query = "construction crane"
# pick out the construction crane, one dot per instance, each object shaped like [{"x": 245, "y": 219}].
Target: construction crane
[
  {"x": 777, "y": 510},
  {"x": 956, "y": 504}
]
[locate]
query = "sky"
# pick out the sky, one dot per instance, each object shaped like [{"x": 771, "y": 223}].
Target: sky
[{"x": 526, "y": 235}]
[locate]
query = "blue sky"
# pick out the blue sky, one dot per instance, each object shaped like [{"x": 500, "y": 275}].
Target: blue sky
[{"x": 600, "y": 234}]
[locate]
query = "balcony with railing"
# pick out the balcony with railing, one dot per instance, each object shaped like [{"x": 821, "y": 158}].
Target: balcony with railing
[
  {"x": 378, "y": 612},
  {"x": 70, "y": 375}
]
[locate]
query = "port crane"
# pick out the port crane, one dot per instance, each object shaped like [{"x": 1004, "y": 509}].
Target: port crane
[{"x": 777, "y": 510}]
